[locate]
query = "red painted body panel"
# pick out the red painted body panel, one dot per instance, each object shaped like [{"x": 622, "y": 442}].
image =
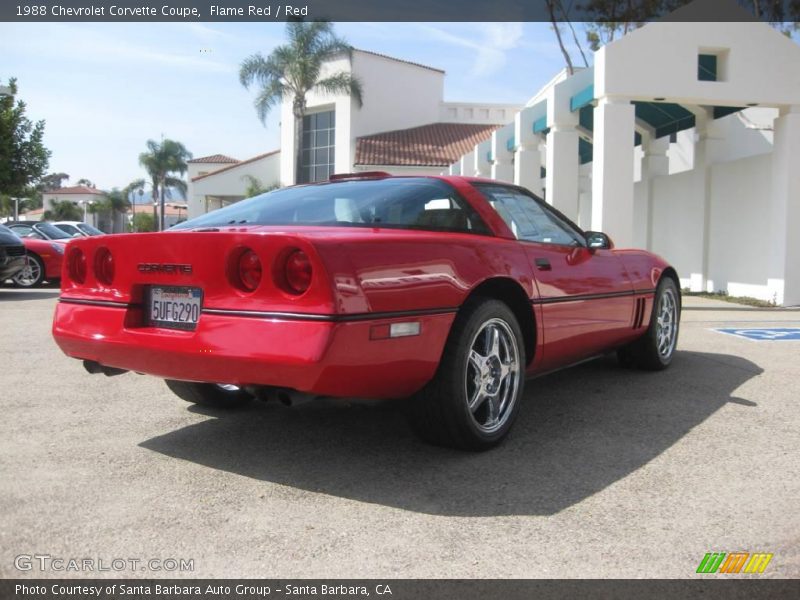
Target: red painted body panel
[{"x": 320, "y": 341}]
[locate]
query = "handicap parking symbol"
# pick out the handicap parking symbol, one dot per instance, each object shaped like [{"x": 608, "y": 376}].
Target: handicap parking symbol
[{"x": 770, "y": 334}]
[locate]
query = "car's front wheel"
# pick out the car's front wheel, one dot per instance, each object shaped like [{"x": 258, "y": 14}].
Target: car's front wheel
[
  {"x": 655, "y": 349},
  {"x": 32, "y": 274},
  {"x": 474, "y": 398},
  {"x": 214, "y": 395}
]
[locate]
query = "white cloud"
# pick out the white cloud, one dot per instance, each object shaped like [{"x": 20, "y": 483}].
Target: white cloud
[{"x": 490, "y": 43}]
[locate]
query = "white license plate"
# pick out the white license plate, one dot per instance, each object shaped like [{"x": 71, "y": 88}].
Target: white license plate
[{"x": 174, "y": 307}]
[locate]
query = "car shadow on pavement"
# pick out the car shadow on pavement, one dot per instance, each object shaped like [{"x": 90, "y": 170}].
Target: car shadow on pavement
[
  {"x": 11, "y": 295},
  {"x": 578, "y": 431}
]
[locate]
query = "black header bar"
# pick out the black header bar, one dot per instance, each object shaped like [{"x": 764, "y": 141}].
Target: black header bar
[{"x": 359, "y": 10}]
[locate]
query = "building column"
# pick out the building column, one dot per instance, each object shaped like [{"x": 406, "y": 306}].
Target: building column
[
  {"x": 528, "y": 166},
  {"x": 468, "y": 164},
  {"x": 527, "y": 154},
  {"x": 655, "y": 163},
  {"x": 783, "y": 274},
  {"x": 612, "y": 171},
  {"x": 483, "y": 166},
  {"x": 502, "y": 157},
  {"x": 561, "y": 152},
  {"x": 562, "y": 163}
]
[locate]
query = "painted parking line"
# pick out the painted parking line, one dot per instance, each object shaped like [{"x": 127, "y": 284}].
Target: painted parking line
[{"x": 765, "y": 334}]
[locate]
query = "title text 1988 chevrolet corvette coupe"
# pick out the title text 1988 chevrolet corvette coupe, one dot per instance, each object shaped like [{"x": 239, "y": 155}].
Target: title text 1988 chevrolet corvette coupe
[{"x": 450, "y": 290}]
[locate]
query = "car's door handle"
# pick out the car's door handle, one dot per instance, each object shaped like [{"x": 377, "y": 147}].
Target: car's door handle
[{"x": 542, "y": 264}]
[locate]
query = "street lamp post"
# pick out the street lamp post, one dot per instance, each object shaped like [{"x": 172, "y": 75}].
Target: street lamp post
[{"x": 86, "y": 204}]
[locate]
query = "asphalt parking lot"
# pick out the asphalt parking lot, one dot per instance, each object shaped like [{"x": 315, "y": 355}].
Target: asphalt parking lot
[{"x": 608, "y": 472}]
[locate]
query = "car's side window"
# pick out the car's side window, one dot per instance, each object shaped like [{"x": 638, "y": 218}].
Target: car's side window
[
  {"x": 25, "y": 231},
  {"x": 528, "y": 218}
]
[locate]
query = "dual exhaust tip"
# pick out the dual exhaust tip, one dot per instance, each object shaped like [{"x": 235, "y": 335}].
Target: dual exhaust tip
[{"x": 95, "y": 367}]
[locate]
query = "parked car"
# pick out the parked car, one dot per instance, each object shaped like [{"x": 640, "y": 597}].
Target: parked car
[
  {"x": 77, "y": 228},
  {"x": 12, "y": 254},
  {"x": 44, "y": 260},
  {"x": 451, "y": 290},
  {"x": 40, "y": 230}
]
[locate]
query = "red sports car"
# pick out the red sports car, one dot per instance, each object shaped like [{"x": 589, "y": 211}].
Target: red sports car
[
  {"x": 43, "y": 262},
  {"x": 450, "y": 290}
]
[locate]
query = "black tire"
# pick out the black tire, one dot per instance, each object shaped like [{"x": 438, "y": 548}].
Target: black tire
[
  {"x": 440, "y": 413},
  {"x": 655, "y": 349},
  {"x": 209, "y": 394},
  {"x": 32, "y": 275}
]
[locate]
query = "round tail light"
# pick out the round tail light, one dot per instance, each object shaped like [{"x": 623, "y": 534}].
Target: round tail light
[
  {"x": 297, "y": 272},
  {"x": 249, "y": 270},
  {"x": 104, "y": 266},
  {"x": 76, "y": 265}
]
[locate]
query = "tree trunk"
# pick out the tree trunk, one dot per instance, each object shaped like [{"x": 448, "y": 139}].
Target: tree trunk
[
  {"x": 155, "y": 208},
  {"x": 554, "y": 21},
  {"x": 161, "y": 205},
  {"x": 299, "y": 109}
]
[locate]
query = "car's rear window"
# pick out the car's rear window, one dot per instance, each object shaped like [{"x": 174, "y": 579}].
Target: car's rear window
[{"x": 406, "y": 203}]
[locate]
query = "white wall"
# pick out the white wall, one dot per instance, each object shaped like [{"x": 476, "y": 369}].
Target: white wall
[
  {"x": 77, "y": 199},
  {"x": 739, "y": 250},
  {"x": 195, "y": 169},
  {"x": 480, "y": 114},
  {"x": 762, "y": 65},
  {"x": 678, "y": 225},
  {"x": 232, "y": 182}
]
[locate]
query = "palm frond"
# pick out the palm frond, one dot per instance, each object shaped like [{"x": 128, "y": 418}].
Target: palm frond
[
  {"x": 174, "y": 182},
  {"x": 342, "y": 83}
]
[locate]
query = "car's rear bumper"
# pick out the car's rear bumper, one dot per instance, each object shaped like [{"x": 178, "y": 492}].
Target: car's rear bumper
[{"x": 327, "y": 357}]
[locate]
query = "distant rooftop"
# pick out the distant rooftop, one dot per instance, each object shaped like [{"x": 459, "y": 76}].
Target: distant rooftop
[
  {"x": 434, "y": 145},
  {"x": 214, "y": 158},
  {"x": 237, "y": 163},
  {"x": 78, "y": 189}
]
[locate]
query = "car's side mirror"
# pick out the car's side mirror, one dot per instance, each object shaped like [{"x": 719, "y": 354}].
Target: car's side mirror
[
  {"x": 77, "y": 235},
  {"x": 597, "y": 240}
]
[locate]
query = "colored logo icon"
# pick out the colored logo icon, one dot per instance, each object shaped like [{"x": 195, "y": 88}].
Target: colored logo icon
[{"x": 734, "y": 562}]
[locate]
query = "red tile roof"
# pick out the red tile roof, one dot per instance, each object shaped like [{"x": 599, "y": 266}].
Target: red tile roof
[
  {"x": 170, "y": 208},
  {"x": 400, "y": 60},
  {"x": 434, "y": 145},
  {"x": 238, "y": 164},
  {"x": 78, "y": 189},
  {"x": 214, "y": 158}
]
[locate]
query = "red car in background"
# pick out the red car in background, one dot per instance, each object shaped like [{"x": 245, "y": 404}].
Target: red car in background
[
  {"x": 450, "y": 290},
  {"x": 44, "y": 260}
]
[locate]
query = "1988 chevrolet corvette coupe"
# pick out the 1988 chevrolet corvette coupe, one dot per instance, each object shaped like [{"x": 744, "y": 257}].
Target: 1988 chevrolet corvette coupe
[{"x": 448, "y": 290}]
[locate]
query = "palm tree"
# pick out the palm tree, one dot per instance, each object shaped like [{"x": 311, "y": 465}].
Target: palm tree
[
  {"x": 116, "y": 202},
  {"x": 63, "y": 210},
  {"x": 293, "y": 70},
  {"x": 160, "y": 161}
]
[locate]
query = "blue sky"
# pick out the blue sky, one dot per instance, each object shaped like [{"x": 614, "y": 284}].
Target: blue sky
[{"x": 105, "y": 88}]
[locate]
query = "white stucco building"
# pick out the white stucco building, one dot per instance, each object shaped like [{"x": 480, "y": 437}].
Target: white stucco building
[
  {"x": 683, "y": 138},
  {"x": 403, "y": 127}
]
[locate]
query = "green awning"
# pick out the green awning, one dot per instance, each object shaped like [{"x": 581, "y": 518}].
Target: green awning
[
  {"x": 582, "y": 98},
  {"x": 664, "y": 117}
]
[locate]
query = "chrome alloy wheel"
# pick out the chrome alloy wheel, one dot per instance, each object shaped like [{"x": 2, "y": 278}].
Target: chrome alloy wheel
[
  {"x": 492, "y": 375},
  {"x": 666, "y": 323},
  {"x": 29, "y": 274}
]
